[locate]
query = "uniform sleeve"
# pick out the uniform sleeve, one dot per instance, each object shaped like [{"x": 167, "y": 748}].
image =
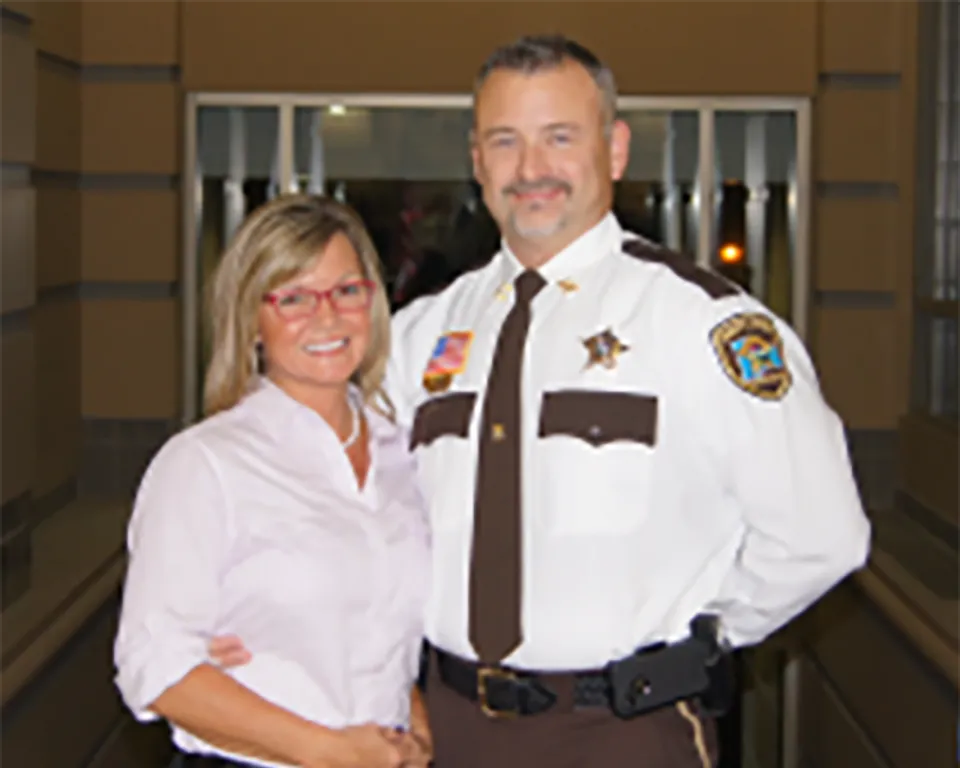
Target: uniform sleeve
[
  {"x": 176, "y": 540},
  {"x": 412, "y": 333},
  {"x": 396, "y": 379},
  {"x": 782, "y": 456}
]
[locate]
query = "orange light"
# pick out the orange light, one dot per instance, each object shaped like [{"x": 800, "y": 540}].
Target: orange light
[{"x": 731, "y": 254}]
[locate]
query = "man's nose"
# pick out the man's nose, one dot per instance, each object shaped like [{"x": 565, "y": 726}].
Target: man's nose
[{"x": 533, "y": 164}]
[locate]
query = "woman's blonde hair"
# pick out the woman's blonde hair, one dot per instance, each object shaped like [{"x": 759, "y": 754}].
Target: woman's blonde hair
[{"x": 275, "y": 243}]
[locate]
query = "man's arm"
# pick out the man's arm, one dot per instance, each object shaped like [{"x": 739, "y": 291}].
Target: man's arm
[
  {"x": 419, "y": 746},
  {"x": 783, "y": 455},
  {"x": 213, "y": 706}
]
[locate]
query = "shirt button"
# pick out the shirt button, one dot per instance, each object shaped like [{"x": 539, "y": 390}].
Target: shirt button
[
  {"x": 497, "y": 432},
  {"x": 594, "y": 431}
]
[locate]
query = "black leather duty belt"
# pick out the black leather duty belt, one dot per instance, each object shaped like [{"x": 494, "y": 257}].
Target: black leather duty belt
[
  {"x": 503, "y": 692},
  {"x": 651, "y": 678}
]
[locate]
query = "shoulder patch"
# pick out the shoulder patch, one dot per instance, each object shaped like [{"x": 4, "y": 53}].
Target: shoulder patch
[
  {"x": 715, "y": 286},
  {"x": 750, "y": 351}
]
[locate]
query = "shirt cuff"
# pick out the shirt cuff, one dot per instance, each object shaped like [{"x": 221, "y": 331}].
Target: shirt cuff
[{"x": 143, "y": 681}]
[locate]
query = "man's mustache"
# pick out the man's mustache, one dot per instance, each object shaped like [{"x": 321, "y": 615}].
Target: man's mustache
[{"x": 547, "y": 184}]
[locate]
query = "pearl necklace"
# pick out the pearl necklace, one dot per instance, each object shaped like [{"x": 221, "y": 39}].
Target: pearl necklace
[{"x": 355, "y": 427}]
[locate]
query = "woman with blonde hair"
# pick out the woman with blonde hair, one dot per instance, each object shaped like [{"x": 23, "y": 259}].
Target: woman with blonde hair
[{"x": 288, "y": 516}]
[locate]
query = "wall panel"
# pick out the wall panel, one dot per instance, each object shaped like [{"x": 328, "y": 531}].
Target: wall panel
[
  {"x": 58, "y": 236},
  {"x": 130, "y": 128},
  {"x": 17, "y": 442},
  {"x": 23, "y": 7},
  {"x": 863, "y": 37},
  {"x": 57, "y": 25},
  {"x": 130, "y": 235},
  {"x": 654, "y": 47},
  {"x": 57, "y": 329},
  {"x": 130, "y": 358},
  {"x": 18, "y": 87},
  {"x": 58, "y": 116},
  {"x": 857, "y": 244},
  {"x": 858, "y": 135},
  {"x": 140, "y": 33},
  {"x": 856, "y": 358},
  {"x": 17, "y": 270}
]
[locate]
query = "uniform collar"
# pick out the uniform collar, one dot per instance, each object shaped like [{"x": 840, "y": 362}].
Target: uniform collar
[{"x": 596, "y": 243}]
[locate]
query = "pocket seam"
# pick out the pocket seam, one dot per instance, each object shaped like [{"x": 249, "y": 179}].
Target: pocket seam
[
  {"x": 444, "y": 416},
  {"x": 561, "y": 414}
]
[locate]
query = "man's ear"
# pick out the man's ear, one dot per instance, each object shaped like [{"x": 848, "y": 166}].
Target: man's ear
[
  {"x": 619, "y": 149},
  {"x": 475, "y": 158}
]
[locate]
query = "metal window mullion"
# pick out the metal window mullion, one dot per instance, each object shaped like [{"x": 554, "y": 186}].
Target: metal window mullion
[
  {"x": 949, "y": 123},
  {"x": 706, "y": 186},
  {"x": 799, "y": 203},
  {"x": 234, "y": 200},
  {"x": 317, "y": 182},
  {"x": 285, "y": 139},
  {"x": 755, "y": 177},
  {"x": 672, "y": 196},
  {"x": 189, "y": 277}
]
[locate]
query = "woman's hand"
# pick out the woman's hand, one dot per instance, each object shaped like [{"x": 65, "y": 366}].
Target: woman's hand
[
  {"x": 361, "y": 746},
  {"x": 419, "y": 733},
  {"x": 228, "y": 651},
  {"x": 417, "y": 750}
]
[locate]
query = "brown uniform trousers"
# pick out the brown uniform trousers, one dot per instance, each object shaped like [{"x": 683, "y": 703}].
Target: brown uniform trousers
[{"x": 464, "y": 737}]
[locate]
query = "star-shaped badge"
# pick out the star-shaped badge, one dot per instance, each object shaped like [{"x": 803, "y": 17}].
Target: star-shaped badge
[{"x": 604, "y": 348}]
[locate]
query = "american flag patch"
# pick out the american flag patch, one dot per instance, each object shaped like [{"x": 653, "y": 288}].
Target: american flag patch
[{"x": 449, "y": 355}]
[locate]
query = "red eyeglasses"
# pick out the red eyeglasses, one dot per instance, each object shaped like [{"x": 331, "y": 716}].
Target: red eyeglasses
[{"x": 298, "y": 303}]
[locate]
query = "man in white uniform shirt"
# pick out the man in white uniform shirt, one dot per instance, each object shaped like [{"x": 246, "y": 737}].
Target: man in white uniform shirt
[
  {"x": 655, "y": 449},
  {"x": 628, "y": 461}
]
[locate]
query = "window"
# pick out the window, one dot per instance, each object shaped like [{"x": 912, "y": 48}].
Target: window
[
  {"x": 938, "y": 241},
  {"x": 723, "y": 180}
]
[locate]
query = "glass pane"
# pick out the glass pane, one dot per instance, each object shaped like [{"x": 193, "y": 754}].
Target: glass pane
[
  {"x": 237, "y": 166},
  {"x": 946, "y": 258},
  {"x": 943, "y": 367},
  {"x": 407, "y": 172},
  {"x": 756, "y": 205},
  {"x": 656, "y": 197}
]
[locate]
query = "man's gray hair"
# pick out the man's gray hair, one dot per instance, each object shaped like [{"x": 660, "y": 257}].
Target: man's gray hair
[{"x": 535, "y": 53}]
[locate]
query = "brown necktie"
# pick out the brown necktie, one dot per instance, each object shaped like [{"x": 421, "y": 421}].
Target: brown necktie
[{"x": 495, "y": 566}]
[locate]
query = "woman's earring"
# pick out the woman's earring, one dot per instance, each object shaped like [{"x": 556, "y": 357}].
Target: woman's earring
[{"x": 256, "y": 357}]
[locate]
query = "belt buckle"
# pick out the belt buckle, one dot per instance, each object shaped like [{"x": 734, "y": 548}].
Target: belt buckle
[{"x": 483, "y": 673}]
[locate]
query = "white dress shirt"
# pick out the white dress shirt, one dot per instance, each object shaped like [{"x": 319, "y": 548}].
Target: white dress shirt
[
  {"x": 684, "y": 494},
  {"x": 252, "y": 523}
]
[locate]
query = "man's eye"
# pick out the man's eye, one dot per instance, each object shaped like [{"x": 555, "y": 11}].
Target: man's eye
[{"x": 561, "y": 138}]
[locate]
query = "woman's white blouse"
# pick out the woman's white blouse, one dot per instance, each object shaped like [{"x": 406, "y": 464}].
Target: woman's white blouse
[{"x": 252, "y": 523}]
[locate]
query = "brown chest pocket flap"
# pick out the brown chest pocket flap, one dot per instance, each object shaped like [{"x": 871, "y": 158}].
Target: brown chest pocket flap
[
  {"x": 599, "y": 417},
  {"x": 441, "y": 416}
]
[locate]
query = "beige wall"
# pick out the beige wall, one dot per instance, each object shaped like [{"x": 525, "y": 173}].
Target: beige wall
[
  {"x": 863, "y": 210},
  {"x": 58, "y": 313},
  {"x": 18, "y": 298},
  {"x": 91, "y": 235},
  {"x": 394, "y": 46}
]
